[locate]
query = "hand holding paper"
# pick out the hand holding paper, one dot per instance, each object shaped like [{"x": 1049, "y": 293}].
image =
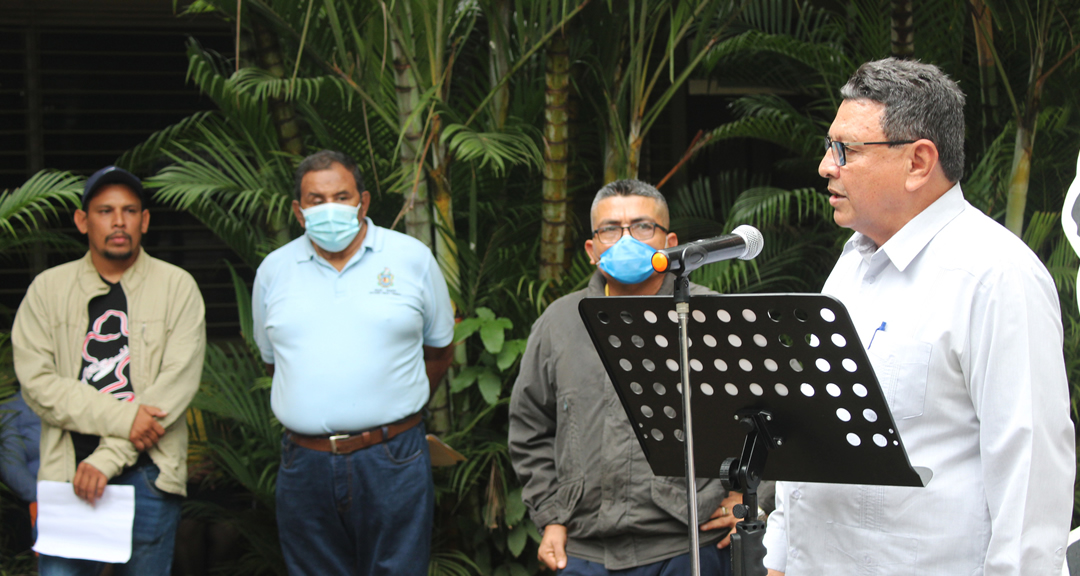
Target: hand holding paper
[{"x": 69, "y": 527}]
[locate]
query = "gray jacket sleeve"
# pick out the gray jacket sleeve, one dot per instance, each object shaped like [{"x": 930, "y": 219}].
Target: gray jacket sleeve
[{"x": 532, "y": 430}]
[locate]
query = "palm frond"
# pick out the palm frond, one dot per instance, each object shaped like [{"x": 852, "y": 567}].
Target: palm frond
[
  {"x": 1040, "y": 227},
  {"x": 766, "y": 206},
  {"x": 21, "y": 245},
  {"x": 497, "y": 151},
  {"x": 772, "y": 119},
  {"x": 141, "y": 158},
  {"x": 32, "y": 205}
]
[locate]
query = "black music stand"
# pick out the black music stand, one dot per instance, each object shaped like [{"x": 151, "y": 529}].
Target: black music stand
[{"x": 781, "y": 388}]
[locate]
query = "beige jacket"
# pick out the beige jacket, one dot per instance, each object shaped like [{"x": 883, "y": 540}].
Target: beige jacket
[{"x": 167, "y": 326}]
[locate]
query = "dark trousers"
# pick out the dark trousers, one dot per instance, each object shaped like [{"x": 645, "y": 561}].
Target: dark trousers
[
  {"x": 369, "y": 512},
  {"x": 714, "y": 562}
]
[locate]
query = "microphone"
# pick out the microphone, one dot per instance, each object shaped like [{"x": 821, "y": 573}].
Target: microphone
[{"x": 744, "y": 243}]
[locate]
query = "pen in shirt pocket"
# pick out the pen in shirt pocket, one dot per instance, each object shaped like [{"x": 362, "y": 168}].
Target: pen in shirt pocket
[{"x": 876, "y": 330}]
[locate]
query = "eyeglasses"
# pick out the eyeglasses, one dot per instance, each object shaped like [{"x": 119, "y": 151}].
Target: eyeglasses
[
  {"x": 639, "y": 230},
  {"x": 839, "y": 149}
]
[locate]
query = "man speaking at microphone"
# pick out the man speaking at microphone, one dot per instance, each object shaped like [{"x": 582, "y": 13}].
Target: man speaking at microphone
[
  {"x": 587, "y": 485},
  {"x": 963, "y": 328}
]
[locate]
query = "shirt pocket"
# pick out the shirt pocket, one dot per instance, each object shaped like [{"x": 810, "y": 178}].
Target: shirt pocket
[
  {"x": 862, "y": 552},
  {"x": 901, "y": 365}
]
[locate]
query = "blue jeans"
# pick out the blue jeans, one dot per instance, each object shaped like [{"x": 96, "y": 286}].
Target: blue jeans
[
  {"x": 714, "y": 562},
  {"x": 153, "y": 534},
  {"x": 369, "y": 512}
]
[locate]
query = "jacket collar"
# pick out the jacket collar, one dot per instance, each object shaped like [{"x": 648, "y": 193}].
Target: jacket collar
[
  {"x": 90, "y": 280},
  {"x": 598, "y": 282}
]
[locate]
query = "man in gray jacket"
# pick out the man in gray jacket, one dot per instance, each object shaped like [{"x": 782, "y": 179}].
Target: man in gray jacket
[{"x": 587, "y": 484}]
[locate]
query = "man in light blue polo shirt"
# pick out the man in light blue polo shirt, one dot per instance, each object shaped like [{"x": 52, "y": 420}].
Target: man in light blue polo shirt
[{"x": 355, "y": 324}]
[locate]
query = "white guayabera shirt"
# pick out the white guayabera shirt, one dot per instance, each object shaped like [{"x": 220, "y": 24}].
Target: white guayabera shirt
[{"x": 970, "y": 361}]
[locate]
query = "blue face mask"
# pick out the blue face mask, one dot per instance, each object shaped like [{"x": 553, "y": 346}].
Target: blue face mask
[
  {"x": 332, "y": 226},
  {"x": 628, "y": 261}
]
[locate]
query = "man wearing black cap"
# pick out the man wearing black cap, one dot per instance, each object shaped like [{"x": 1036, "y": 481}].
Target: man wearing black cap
[{"x": 109, "y": 351}]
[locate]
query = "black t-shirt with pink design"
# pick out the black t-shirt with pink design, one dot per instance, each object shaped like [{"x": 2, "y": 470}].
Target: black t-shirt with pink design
[{"x": 105, "y": 357}]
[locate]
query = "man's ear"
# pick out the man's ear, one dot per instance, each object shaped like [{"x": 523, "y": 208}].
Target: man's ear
[
  {"x": 365, "y": 203},
  {"x": 298, "y": 213},
  {"x": 589, "y": 250},
  {"x": 671, "y": 241},
  {"x": 80, "y": 220},
  {"x": 145, "y": 220},
  {"x": 922, "y": 160}
]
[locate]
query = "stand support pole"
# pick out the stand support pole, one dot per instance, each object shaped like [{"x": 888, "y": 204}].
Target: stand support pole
[{"x": 682, "y": 308}]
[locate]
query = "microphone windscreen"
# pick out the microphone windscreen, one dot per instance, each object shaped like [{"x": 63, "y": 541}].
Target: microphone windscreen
[{"x": 755, "y": 242}]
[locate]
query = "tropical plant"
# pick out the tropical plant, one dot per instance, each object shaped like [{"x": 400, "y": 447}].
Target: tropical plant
[{"x": 25, "y": 214}]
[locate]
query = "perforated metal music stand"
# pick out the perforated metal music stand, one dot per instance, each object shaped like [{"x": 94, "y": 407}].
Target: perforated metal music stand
[{"x": 791, "y": 363}]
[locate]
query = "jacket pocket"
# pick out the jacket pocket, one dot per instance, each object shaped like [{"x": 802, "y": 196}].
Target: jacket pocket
[
  {"x": 149, "y": 335},
  {"x": 901, "y": 365},
  {"x": 669, "y": 494},
  {"x": 567, "y": 443},
  {"x": 568, "y": 494}
]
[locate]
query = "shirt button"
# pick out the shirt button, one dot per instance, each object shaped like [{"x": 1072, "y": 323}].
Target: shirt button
[
  {"x": 794, "y": 553},
  {"x": 795, "y": 494},
  {"x": 870, "y": 279},
  {"x": 868, "y": 560}
]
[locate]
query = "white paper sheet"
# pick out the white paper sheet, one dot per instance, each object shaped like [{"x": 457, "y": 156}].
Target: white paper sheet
[{"x": 71, "y": 528}]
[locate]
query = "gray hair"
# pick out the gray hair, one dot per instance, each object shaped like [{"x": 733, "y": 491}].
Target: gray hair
[
  {"x": 920, "y": 102},
  {"x": 629, "y": 188},
  {"x": 322, "y": 160}
]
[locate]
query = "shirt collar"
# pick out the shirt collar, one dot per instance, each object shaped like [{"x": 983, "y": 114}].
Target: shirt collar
[
  {"x": 910, "y": 240},
  {"x": 374, "y": 239}
]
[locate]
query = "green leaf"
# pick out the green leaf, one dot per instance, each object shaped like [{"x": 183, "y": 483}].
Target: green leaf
[
  {"x": 465, "y": 378},
  {"x": 515, "y": 508},
  {"x": 490, "y": 386},
  {"x": 466, "y": 328},
  {"x": 533, "y": 532},
  {"x": 493, "y": 336},
  {"x": 515, "y": 540},
  {"x": 485, "y": 313},
  {"x": 510, "y": 351}
]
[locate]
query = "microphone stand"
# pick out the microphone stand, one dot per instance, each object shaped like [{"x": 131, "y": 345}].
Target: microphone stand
[{"x": 682, "y": 308}]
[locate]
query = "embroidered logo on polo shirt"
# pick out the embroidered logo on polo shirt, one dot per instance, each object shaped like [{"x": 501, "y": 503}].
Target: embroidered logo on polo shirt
[
  {"x": 385, "y": 281},
  {"x": 386, "y": 278}
]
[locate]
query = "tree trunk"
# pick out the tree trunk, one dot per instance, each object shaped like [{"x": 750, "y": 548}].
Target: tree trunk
[
  {"x": 983, "y": 22},
  {"x": 286, "y": 120},
  {"x": 633, "y": 146},
  {"x": 903, "y": 29},
  {"x": 1026, "y": 125},
  {"x": 499, "y": 61},
  {"x": 418, "y": 217},
  {"x": 1019, "y": 179},
  {"x": 556, "y": 96}
]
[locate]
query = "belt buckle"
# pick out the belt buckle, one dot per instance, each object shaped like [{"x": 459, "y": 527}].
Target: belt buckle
[{"x": 333, "y": 442}]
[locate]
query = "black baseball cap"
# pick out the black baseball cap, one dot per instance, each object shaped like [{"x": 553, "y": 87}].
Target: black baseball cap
[{"x": 112, "y": 175}]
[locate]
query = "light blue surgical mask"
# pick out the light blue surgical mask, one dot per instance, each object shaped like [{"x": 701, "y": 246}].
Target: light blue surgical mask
[
  {"x": 332, "y": 226},
  {"x": 628, "y": 261}
]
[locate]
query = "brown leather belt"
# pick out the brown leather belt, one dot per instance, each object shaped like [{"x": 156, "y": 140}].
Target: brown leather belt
[{"x": 346, "y": 443}]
